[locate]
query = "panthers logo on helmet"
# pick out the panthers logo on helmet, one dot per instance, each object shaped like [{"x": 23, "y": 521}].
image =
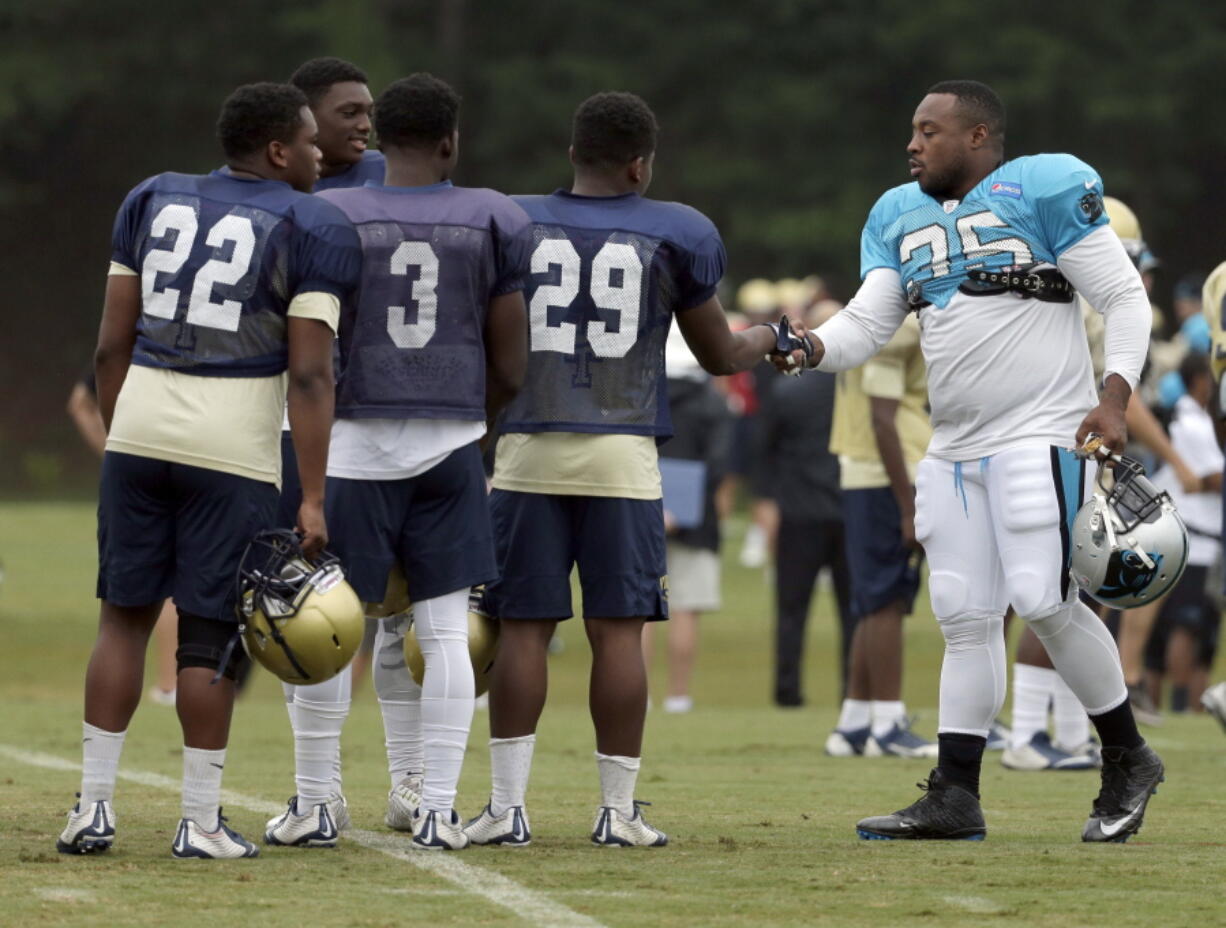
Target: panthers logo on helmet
[{"x": 1128, "y": 575}]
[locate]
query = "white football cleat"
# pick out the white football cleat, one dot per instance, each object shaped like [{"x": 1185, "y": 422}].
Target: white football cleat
[
  {"x": 192, "y": 841},
  {"x": 1214, "y": 701},
  {"x": 508, "y": 830},
  {"x": 438, "y": 831},
  {"x": 315, "y": 827},
  {"x": 611, "y": 829},
  {"x": 403, "y": 802},
  {"x": 89, "y": 830}
]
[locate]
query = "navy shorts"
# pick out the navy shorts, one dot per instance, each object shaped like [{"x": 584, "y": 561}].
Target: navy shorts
[
  {"x": 291, "y": 486},
  {"x": 168, "y": 529},
  {"x": 883, "y": 570},
  {"x": 436, "y": 526},
  {"x": 618, "y": 545}
]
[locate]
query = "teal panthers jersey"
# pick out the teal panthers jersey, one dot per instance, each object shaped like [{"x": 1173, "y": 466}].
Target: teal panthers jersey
[{"x": 1028, "y": 211}]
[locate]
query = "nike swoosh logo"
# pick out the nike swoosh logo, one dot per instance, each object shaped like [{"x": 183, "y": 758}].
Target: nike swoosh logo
[
  {"x": 218, "y": 766},
  {"x": 1090, "y": 183},
  {"x": 517, "y": 833},
  {"x": 181, "y": 839},
  {"x": 1113, "y": 829}
]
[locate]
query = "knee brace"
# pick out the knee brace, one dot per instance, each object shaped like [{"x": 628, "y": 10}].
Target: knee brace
[{"x": 208, "y": 643}]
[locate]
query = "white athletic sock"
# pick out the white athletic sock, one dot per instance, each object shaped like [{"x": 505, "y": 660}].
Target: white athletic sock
[
  {"x": 617, "y": 778},
  {"x": 100, "y": 752},
  {"x": 973, "y": 673},
  {"x": 1032, "y": 691},
  {"x": 320, "y": 711},
  {"x": 290, "y": 689},
  {"x": 1071, "y": 722},
  {"x": 887, "y": 714},
  {"x": 855, "y": 714},
  {"x": 399, "y": 700},
  {"x": 202, "y": 785},
  {"x": 510, "y": 765},
  {"x": 447, "y": 694},
  {"x": 1085, "y": 655}
]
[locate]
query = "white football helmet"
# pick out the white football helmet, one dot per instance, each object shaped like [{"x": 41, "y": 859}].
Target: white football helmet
[
  {"x": 1129, "y": 545},
  {"x": 299, "y": 618}
]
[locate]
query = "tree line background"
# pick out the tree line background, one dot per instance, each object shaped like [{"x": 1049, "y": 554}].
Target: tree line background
[{"x": 783, "y": 120}]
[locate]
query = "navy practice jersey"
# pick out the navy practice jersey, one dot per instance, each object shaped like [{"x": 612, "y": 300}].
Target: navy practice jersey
[
  {"x": 220, "y": 258},
  {"x": 607, "y": 274},
  {"x": 370, "y": 169},
  {"x": 412, "y": 335}
]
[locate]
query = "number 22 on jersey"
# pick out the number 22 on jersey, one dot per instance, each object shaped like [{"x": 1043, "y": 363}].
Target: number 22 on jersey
[{"x": 202, "y": 309}]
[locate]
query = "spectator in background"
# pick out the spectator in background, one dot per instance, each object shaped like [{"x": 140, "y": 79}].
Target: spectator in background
[
  {"x": 702, "y": 432},
  {"x": 881, "y": 432},
  {"x": 796, "y": 420},
  {"x": 1213, "y": 307},
  {"x": 758, "y": 302},
  {"x": 83, "y": 410},
  {"x": 1184, "y": 640}
]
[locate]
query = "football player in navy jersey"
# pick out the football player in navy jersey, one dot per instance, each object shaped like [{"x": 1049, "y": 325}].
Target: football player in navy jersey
[
  {"x": 989, "y": 252},
  {"x": 219, "y": 285},
  {"x": 576, "y": 478},
  {"x": 432, "y": 344},
  {"x": 340, "y": 100}
]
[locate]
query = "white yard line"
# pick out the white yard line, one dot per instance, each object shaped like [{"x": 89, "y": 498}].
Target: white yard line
[
  {"x": 492, "y": 886},
  {"x": 979, "y": 905}
]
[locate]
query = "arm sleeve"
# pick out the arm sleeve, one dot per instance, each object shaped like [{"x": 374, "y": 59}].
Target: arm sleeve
[
  {"x": 324, "y": 307},
  {"x": 125, "y": 235},
  {"x": 702, "y": 270},
  {"x": 326, "y": 253},
  {"x": 1102, "y": 272},
  {"x": 512, "y": 248},
  {"x": 866, "y": 324},
  {"x": 1069, "y": 201}
]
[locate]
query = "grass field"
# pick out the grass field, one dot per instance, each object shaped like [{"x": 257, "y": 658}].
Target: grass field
[{"x": 761, "y": 823}]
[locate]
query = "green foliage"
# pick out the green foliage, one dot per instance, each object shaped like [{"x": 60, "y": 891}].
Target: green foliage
[{"x": 782, "y": 120}]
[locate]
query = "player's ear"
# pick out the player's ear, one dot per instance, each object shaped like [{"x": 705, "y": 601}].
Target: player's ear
[
  {"x": 979, "y": 136},
  {"x": 277, "y": 154},
  {"x": 637, "y": 170}
]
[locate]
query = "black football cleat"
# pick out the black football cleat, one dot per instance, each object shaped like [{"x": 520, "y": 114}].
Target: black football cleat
[
  {"x": 944, "y": 813},
  {"x": 1130, "y": 777}
]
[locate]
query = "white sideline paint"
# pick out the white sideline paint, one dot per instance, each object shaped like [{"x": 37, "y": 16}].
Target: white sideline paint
[
  {"x": 976, "y": 904},
  {"x": 63, "y": 894},
  {"x": 492, "y": 886}
]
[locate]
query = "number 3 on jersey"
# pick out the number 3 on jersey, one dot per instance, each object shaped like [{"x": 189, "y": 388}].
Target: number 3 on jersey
[
  {"x": 201, "y": 308},
  {"x": 424, "y": 292},
  {"x": 620, "y": 293}
]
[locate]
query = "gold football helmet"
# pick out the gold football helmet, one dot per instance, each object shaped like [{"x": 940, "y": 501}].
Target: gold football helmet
[
  {"x": 299, "y": 619},
  {"x": 395, "y": 600},
  {"x": 482, "y": 645}
]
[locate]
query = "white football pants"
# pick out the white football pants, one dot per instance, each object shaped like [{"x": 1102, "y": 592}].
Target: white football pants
[{"x": 996, "y": 532}]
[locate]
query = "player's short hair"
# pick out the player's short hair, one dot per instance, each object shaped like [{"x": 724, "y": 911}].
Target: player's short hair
[
  {"x": 416, "y": 111},
  {"x": 978, "y": 103},
  {"x": 316, "y": 77},
  {"x": 612, "y": 129},
  {"x": 256, "y": 114}
]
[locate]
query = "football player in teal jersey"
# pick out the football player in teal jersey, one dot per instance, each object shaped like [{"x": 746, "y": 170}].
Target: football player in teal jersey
[{"x": 990, "y": 252}]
